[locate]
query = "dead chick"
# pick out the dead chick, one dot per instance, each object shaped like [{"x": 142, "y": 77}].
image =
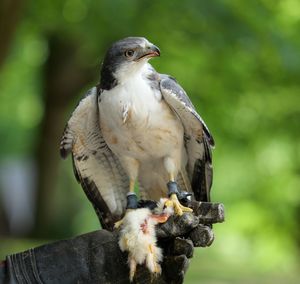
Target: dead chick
[{"x": 138, "y": 238}]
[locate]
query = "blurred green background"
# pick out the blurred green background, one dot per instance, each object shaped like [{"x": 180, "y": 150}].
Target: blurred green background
[{"x": 239, "y": 61}]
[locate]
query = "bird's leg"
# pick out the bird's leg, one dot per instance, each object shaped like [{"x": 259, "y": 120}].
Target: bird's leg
[
  {"x": 152, "y": 260},
  {"x": 173, "y": 201},
  {"x": 132, "y": 268},
  {"x": 132, "y": 201}
]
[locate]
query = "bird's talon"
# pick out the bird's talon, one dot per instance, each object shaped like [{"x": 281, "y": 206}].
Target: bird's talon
[
  {"x": 168, "y": 203},
  {"x": 118, "y": 224},
  {"x": 178, "y": 208}
]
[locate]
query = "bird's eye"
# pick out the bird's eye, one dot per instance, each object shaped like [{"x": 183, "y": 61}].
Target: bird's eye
[{"x": 129, "y": 53}]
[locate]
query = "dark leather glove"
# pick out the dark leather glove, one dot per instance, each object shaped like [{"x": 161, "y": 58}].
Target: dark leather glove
[{"x": 96, "y": 258}]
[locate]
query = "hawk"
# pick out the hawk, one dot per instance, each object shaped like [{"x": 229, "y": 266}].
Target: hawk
[{"x": 137, "y": 127}]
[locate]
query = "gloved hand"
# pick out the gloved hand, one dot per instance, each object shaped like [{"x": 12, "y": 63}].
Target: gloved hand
[{"x": 96, "y": 257}]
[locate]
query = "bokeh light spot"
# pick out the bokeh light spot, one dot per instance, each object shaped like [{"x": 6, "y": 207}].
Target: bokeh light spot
[{"x": 29, "y": 112}]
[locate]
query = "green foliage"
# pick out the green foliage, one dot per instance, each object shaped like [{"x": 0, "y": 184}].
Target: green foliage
[{"x": 239, "y": 61}]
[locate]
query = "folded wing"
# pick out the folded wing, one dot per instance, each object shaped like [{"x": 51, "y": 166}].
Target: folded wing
[
  {"x": 98, "y": 170},
  {"x": 198, "y": 140}
]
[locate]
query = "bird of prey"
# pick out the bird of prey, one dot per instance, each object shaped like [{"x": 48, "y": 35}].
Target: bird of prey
[{"x": 137, "y": 127}]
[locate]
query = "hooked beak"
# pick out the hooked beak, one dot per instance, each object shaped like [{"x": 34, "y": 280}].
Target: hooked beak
[{"x": 150, "y": 51}]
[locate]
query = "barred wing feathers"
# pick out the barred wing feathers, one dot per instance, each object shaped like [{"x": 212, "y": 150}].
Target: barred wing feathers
[
  {"x": 98, "y": 170},
  {"x": 198, "y": 140}
]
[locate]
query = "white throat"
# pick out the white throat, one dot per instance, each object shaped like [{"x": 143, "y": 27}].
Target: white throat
[{"x": 131, "y": 70}]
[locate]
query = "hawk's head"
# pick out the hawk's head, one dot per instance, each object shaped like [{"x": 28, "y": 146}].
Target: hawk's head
[{"x": 125, "y": 57}]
